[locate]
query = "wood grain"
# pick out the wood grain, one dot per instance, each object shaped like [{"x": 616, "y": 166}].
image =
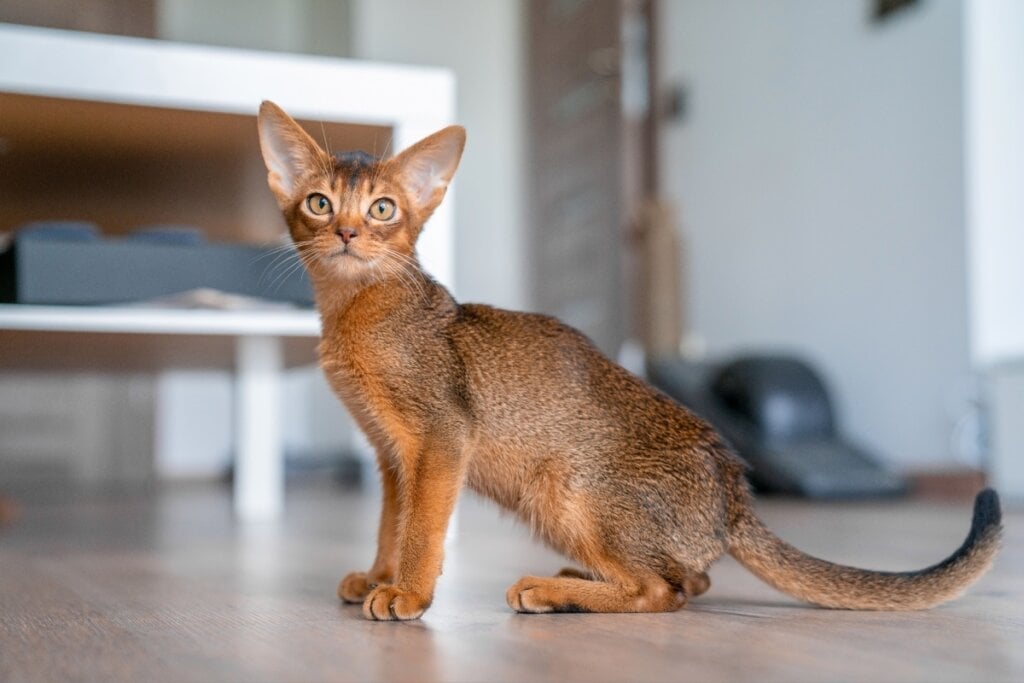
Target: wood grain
[{"x": 168, "y": 587}]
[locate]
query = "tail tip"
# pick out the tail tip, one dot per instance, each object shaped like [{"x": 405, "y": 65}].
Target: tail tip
[{"x": 987, "y": 511}]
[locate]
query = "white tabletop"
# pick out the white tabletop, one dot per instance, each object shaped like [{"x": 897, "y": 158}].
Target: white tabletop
[
  {"x": 79, "y": 65},
  {"x": 156, "y": 320}
]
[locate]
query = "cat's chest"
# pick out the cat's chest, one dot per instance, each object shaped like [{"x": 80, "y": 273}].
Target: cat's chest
[
  {"x": 362, "y": 363},
  {"x": 377, "y": 372}
]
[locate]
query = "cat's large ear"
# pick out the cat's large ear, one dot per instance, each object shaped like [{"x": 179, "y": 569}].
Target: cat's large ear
[
  {"x": 426, "y": 168},
  {"x": 288, "y": 151}
]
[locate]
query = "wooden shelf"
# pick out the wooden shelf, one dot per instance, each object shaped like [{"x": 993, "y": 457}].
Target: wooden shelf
[
  {"x": 125, "y": 166},
  {"x": 127, "y": 132}
]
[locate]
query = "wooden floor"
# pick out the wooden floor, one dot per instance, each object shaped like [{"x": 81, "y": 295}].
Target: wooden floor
[{"x": 167, "y": 587}]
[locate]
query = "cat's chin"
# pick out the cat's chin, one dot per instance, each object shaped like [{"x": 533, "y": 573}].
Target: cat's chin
[{"x": 348, "y": 266}]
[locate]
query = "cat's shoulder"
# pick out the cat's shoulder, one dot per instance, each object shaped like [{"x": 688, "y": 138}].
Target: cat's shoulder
[{"x": 518, "y": 323}]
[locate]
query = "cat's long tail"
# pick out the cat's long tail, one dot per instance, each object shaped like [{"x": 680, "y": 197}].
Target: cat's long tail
[{"x": 833, "y": 585}]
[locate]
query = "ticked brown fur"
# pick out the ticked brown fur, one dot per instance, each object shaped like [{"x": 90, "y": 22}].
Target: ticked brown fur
[{"x": 526, "y": 411}]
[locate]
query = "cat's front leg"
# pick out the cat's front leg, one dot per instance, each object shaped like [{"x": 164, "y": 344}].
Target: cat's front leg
[
  {"x": 433, "y": 477},
  {"x": 357, "y": 585}
]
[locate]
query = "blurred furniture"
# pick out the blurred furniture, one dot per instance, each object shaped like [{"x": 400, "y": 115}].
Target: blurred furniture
[
  {"x": 126, "y": 132},
  {"x": 258, "y": 363},
  {"x": 121, "y": 17},
  {"x": 776, "y": 412}
]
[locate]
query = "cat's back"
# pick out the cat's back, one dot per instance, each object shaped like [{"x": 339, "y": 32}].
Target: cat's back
[
  {"x": 501, "y": 345},
  {"x": 529, "y": 364}
]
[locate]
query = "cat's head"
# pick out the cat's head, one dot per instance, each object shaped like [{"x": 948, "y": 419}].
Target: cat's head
[{"x": 352, "y": 215}]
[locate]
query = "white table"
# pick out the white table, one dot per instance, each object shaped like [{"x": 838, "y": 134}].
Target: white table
[
  {"x": 162, "y": 76},
  {"x": 259, "y": 464},
  {"x": 413, "y": 101}
]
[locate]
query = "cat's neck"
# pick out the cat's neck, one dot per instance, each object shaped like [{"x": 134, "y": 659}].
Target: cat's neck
[{"x": 338, "y": 297}]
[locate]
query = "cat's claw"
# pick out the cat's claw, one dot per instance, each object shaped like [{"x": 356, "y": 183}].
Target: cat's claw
[{"x": 391, "y": 603}]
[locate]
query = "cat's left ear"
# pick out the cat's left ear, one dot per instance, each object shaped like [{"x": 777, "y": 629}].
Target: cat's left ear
[{"x": 426, "y": 168}]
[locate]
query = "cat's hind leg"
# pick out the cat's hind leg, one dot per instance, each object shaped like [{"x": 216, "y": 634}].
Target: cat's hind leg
[
  {"x": 573, "y": 573},
  {"x": 691, "y": 583},
  {"x": 534, "y": 594},
  {"x": 624, "y": 592}
]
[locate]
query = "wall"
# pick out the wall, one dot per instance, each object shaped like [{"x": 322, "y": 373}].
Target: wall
[
  {"x": 818, "y": 174},
  {"x": 481, "y": 42},
  {"x": 993, "y": 61},
  {"x": 308, "y": 26},
  {"x": 994, "y": 66}
]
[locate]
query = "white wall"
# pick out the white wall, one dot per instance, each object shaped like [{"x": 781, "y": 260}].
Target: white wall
[
  {"x": 313, "y": 26},
  {"x": 819, "y": 180},
  {"x": 994, "y": 74},
  {"x": 481, "y": 42}
]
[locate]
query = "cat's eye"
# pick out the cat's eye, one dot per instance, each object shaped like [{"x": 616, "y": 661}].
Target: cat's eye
[
  {"x": 382, "y": 209},
  {"x": 318, "y": 204}
]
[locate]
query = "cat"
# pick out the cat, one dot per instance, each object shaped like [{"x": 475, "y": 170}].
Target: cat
[{"x": 526, "y": 411}]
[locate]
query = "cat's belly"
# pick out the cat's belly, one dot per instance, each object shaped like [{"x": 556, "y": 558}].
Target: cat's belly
[{"x": 540, "y": 487}]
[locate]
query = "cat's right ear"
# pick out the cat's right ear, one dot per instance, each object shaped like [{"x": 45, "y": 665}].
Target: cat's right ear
[
  {"x": 426, "y": 168},
  {"x": 288, "y": 151}
]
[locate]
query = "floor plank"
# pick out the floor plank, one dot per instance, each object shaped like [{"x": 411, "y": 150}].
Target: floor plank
[{"x": 169, "y": 587}]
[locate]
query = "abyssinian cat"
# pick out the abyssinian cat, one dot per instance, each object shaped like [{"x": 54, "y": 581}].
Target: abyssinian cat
[{"x": 525, "y": 410}]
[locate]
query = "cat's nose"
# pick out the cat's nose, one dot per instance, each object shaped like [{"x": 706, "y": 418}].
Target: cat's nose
[{"x": 346, "y": 234}]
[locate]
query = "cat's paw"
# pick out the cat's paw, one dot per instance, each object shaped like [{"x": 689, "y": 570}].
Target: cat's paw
[
  {"x": 696, "y": 583},
  {"x": 356, "y": 586},
  {"x": 391, "y": 603},
  {"x": 530, "y": 594}
]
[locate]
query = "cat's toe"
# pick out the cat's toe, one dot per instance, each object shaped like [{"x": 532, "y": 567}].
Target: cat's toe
[
  {"x": 355, "y": 587},
  {"x": 391, "y": 603},
  {"x": 696, "y": 583},
  {"x": 527, "y": 595}
]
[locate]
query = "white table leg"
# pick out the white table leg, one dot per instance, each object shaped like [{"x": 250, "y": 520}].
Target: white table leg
[{"x": 259, "y": 460}]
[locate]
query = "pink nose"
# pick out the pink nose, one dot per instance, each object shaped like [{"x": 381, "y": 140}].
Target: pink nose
[{"x": 346, "y": 234}]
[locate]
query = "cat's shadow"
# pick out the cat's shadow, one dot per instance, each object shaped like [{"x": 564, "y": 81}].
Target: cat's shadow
[
  {"x": 415, "y": 639},
  {"x": 352, "y": 611}
]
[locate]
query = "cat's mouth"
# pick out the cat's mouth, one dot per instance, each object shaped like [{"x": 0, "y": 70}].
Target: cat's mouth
[
  {"x": 344, "y": 262},
  {"x": 343, "y": 252}
]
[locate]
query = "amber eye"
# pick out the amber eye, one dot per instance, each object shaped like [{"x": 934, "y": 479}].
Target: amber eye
[
  {"x": 318, "y": 204},
  {"x": 382, "y": 209}
]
